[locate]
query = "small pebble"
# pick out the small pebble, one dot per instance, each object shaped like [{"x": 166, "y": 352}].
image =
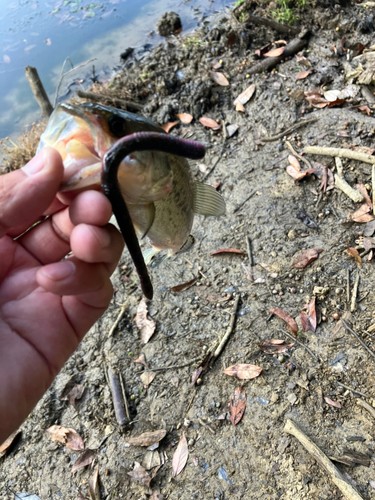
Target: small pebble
[
  {"x": 296, "y": 278},
  {"x": 292, "y": 290},
  {"x": 191, "y": 442},
  {"x": 187, "y": 421},
  {"x": 336, "y": 316}
]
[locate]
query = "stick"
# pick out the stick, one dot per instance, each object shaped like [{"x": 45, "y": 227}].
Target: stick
[
  {"x": 302, "y": 158},
  {"x": 337, "y": 478},
  {"x": 206, "y": 425},
  {"x": 63, "y": 75},
  {"x": 216, "y": 162},
  {"x": 117, "y": 320},
  {"x": 365, "y": 405},
  {"x": 38, "y": 90},
  {"x": 300, "y": 343},
  {"x": 249, "y": 251},
  {"x": 230, "y": 329},
  {"x": 353, "y": 390},
  {"x": 341, "y": 153},
  {"x": 118, "y": 401},
  {"x": 128, "y": 105},
  {"x": 289, "y": 130},
  {"x": 341, "y": 184},
  {"x": 238, "y": 207},
  {"x": 357, "y": 337},
  {"x": 353, "y": 305},
  {"x": 124, "y": 396},
  {"x": 192, "y": 399}
]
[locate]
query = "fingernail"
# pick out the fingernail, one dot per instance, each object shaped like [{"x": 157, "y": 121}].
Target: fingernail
[
  {"x": 59, "y": 271},
  {"x": 36, "y": 164}
]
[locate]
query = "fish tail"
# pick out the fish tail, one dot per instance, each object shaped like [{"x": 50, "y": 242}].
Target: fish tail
[{"x": 149, "y": 253}]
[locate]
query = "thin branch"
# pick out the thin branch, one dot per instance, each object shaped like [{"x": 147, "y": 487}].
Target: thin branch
[
  {"x": 353, "y": 390},
  {"x": 297, "y": 155},
  {"x": 340, "y": 152},
  {"x": 63, "y": 75},
  {"x": 230, "y": 329},
  {"x": 117, "y": 320},
  {"x": 300, "y": 343},
  {"x": 127, "y": 105},
  {"x": 357, "y": 337}
]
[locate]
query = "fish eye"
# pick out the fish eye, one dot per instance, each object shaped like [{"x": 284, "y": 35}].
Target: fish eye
[{"x": 116, "y": 125}]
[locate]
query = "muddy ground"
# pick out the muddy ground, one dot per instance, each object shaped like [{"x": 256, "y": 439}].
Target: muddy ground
[{"x": 254, "y": 459}]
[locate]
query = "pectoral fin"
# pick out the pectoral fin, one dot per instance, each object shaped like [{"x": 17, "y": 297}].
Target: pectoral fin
[
  {"x": 150, "y": 214},
  {"x": 208, "y": 201}
]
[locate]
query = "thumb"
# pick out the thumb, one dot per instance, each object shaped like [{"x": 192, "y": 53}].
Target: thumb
[{"x": 26, "y": 193}]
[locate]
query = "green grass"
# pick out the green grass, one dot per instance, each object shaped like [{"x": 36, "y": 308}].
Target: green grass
[
  {"x": 239, "y": 2},
  {"x": 286, "y": 13}
]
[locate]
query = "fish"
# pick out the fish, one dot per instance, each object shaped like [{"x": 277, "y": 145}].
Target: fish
[{"x": 159, "y": 190}]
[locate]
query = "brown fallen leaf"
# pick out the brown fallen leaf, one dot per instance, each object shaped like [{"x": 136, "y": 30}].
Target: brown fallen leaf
[
  {"x": 76, "y": 394},
  {"x": 168, "y": 126},
  {"x": 219, "y": 78},
  {"x": 185, "y": 118},
  {"x": 301, "y": 75},
  {"x": 240, "y": 107},
  {"x": 8, "y": 443},
  {"x": 147, "y": 377},
  {"x": 362, "y": 189},
  {"x": 202, "y": 368},
  {"x": 274, "y": 346},
  {"x": 353, "y": 252},
  {"x": 294, "y": 162},
  {"x": 296, "y": 174},
  {"x": 84, "y": 459},
  {"x": 145, "y": 324},
  {"x": 292, "y": 325},
  {"x": 362, "y": 214},
  {"x": 305, "y": 257},
  {"x": 245, "y": 96},
  {"x": 237, "y": 405},
  {"x": 180, "y": 456},
  {"x": 336, "y": 404},
  {"x": 228, "y": 250},
  {"x": 275, "y": 52},
  {"x": 308, "y": 320},
  {"x": 184, "y": 286},
  {"x": 366, "y": 109},
  {"x": 141, "y": 360},
  {"x": 140, "y": 475},
  {"x": 66, "y": 436},
  {"x": 243, "y": 371},
  {"x": 147, "y": 438},
  {"x": 94, "y": 485},
  {"x": 209, "y": 122}
]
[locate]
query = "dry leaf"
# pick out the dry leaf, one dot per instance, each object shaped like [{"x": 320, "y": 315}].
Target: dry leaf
[
  {"x": 232, "y": 129},
  {"x": 147, "y": 438},
  {"x": 332, "y": 95},
  {"x": 245, "y": 96},
  {"x": 139, "y": 474},
  {"x": 219, "y": 78},
  {"x": 185, "y": 118},
  {"x": 209, "y": 122},
  {"x": 183, "y": 286},
  {"x": 362, "y": 214},
  {"x": 147, "y": 377},
  {"x": 366, "y": 109},
  {"x": 66, "y": 436},
  {"x": 84, "y": 459},
  {"x": 180, "y": 456},
  {"x": 228, "y": 250},
  {"x": 237, "y": 405},
  {"x": 94, "y": 485},
  {"x": 75, "y": 394},
  {"x": 8, "y": 443},
  {"x": 274, "y": 346},
  {"x": 354, "y": 253},
  {"x": 292, "y": 325},
  {"x": 240, "y": 107},
  {"x": 294, "y": 162},
  {"x": 336, "y": 404},
  {"x": 305, "y": 258},
  {"x": 145, "y": 324},
  {"x": 243, "y": 371},
  {"x": 275, "y": 52},
  {"x": 168, "y": 126},
  {"x": 308, "y": 319},
  {"x": 296, "y": 174},
  {"x": 362, "y": 189},
  {"x": 142, "y": 360},
  {"x": 301, "y": 75}
]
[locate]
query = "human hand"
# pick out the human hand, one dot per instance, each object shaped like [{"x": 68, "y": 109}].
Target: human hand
[{"x": 47, "y": 305}]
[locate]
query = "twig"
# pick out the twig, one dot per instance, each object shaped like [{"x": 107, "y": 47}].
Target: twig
[
  {"x": 216, "y": 162},
  {"x": 357, "y": 337},
  {"x": 353, "y": 390},
  {"x": 124, "y": 396},
  {"x": 191, "y": 401},
  {"x": 353, "y": 305},
  {"x": 174, "y": 367},
  {"x": 348, "y": 286},
  {"x": 230, "y": 329},
  {"x": 249, "y": 251},
  {"x": 63, "y": 75},
  {"x": 118, "y": 401},
  {"x": 131, "y": 106},
  {"x": 297, "y": 155},
  {"x": 339, "y": 152},
  {"x": 206, "y": 425},
  {"x": 117, "y": 320},
  {"x": 238, "y": 207},
  {"x": 300, "y": 343},
  {"x": 365, "y": 405},
  {"x": 38, "y": 90},
  {"x": 288, "y": 130},
  {"x": 337, "y": 478},
  {"x": 341, "y": 184}
]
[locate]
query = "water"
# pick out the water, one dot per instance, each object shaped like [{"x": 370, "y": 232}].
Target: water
[{"x": 42, "y": 33}]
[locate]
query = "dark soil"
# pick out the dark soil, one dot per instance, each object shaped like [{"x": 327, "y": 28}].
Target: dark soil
[{"x": 254, "y": 459}]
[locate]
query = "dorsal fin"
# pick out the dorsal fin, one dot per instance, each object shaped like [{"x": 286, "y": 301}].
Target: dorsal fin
[{"x": 208, "y": 201}]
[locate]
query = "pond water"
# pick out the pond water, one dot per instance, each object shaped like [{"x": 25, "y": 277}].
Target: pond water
[{"x": 43, "y": 33}]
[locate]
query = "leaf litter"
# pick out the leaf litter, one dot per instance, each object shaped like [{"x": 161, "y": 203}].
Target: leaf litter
[
  {"x": 237, "y": 405},
  {"x": 66, "y": 436},
  {"x": 145, "y": 324},
  {"x": 147, "y": 438},
  {"x": 180, "y": 456},
  {"x": 243, "y": 371}
]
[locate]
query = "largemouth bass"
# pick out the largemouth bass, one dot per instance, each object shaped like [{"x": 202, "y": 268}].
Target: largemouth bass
[{"x": 158, "y": 188}]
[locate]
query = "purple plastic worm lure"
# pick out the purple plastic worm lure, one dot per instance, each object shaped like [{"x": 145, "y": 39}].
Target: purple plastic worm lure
[{"x": 140, "y": 141}]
